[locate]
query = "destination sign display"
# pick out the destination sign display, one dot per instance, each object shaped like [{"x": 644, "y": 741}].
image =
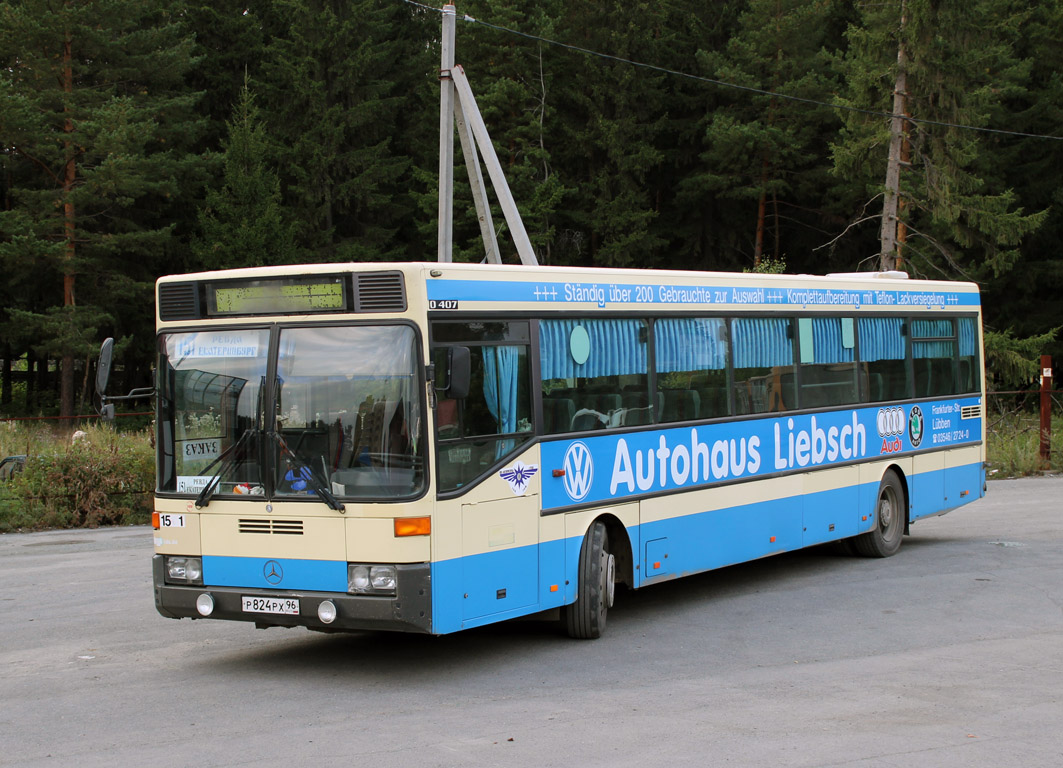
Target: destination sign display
[{"x": 277, "y": 297}]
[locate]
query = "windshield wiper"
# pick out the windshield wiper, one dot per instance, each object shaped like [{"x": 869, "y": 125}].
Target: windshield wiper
[
  {"x": 228, "y": 456},
  {"x": 309, "y": 475}
]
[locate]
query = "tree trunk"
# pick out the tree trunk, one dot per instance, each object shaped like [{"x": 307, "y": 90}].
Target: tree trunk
[
  {"x": 5, "y": 378},
  {"x": 66, "y": 393},
  {"x": 888, "y": 255},
  {"x": 758, "y": 246},
  {"x": 30, "y": 381}
]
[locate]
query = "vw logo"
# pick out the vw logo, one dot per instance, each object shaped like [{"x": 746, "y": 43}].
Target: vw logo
[
  {"x": 273, "y": 572},
  {"x": 579, "y": 471}
]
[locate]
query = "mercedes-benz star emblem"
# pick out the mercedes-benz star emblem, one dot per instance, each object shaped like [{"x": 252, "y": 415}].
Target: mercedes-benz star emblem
[{"x": 273, "y": 572}]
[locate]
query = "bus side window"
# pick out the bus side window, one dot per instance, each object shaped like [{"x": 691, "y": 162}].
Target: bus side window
[
  {"x": 883, "y": 358},
  {"x": 828, "y": 361},
  {"x": 763, "y": 353},
  {"x": 595, "y": 374},
  {"x": 476, "y": 432},
  {"x": 691, "y": 357},
  {"x": 970, "y": 369},
  {"x": 933, "y": 357}
]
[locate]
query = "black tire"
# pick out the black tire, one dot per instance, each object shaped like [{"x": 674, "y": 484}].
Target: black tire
[
  {"x": 890, "y": 513},
  {"x": 585, "y": 619}
]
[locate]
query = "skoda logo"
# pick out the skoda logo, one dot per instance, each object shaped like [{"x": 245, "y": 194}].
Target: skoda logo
[
  {"x": 273, "y": 572},
  {"x": 915, "y": 426},
  {"x": 579, "y": 471}
]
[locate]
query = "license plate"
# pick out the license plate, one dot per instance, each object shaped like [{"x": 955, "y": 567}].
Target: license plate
[{"x": 285, "y": 605}]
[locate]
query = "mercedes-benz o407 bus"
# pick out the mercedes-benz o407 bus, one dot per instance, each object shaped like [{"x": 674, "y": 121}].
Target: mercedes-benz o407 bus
[{"x": 432, "y": 447}]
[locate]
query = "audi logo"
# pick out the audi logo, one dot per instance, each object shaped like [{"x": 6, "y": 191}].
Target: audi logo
[{"x": 891, "y": 421}]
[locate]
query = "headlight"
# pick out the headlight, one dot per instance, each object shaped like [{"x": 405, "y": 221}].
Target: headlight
[
  {"x": 371, "y": 579},
  {"x": 383, "y": 578},
  {"x": 184, "y": 570},
  {"x": 357, "y": 578}
]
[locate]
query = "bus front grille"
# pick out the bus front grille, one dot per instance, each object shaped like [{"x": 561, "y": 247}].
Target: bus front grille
[{"x": 267, "y": 526}]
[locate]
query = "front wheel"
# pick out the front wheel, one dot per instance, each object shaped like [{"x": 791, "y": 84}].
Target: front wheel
[
  {"x": 585, "y": 618},
  {"x": 885, "y": 538}
]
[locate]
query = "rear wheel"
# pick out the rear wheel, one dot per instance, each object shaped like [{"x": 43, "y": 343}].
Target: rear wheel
[
  {"x": 885, "y": 538},
  {"x": 585, "y": 618}
]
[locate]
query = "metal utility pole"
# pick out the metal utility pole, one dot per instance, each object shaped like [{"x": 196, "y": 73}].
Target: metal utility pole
[
  {"x": 889, "y": 256},
  {"x": 457, "y": 103},
  {"x": 446, "y": 137}
]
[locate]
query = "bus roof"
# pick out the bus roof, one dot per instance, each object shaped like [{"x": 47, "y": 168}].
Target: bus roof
[{"x": 516, "y": 288}]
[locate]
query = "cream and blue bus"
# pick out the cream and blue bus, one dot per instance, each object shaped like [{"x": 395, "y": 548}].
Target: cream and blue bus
[{"x": 433, "y": 447}]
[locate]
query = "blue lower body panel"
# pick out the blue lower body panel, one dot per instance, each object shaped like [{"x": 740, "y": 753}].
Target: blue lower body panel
[
  {"x": 275, "y": 573},
  {"x": 467, "y": 592}
]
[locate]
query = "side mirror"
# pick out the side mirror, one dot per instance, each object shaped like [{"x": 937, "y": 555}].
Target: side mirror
[
  {"x": 103, "y": 367},
  {"x": 459, "y": 373}
]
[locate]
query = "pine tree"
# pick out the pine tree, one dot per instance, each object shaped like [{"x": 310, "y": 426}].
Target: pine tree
[
  {"x": 764, "y": 151},
  {"x": 342, "y": 86},
  {"x": 1026, "y": 298},
  {"x": 243, "y": 223},
  {"x": 93, "y": 118},
  {"x": 959, "y": 62}
]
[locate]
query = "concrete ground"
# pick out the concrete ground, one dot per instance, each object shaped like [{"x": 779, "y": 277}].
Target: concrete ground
[{"x": 948, "y": 654}]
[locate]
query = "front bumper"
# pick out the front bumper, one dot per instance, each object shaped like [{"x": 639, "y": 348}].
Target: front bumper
[{"x": 409, "y": 611}]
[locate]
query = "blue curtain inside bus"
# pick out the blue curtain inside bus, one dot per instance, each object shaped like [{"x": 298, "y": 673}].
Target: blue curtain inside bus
[
  {"x": 830, "y": 342},
  {"x": 690, "y": 344},
  {"x": 617, "y": 348},
  {"x": 500, "y": 390},
  {"x": 932, "y": 329},
  {"x": 968, "y": 337},
  {"x": 881, "y": 338},
  {"x": 762, "y": 342}
]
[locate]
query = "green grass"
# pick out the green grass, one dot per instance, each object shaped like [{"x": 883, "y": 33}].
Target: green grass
[
  {"x": 1013, "y": 445},
  {"x": 105, "y": 478}
]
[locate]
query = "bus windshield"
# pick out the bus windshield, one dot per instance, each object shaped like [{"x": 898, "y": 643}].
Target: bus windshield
[{"x": 336, "y": 411}]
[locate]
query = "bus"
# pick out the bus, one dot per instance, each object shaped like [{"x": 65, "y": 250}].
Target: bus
[{"x": 431, "y": 447}]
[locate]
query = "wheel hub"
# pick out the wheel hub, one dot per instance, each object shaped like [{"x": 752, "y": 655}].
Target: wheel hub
[{"x": 885, "y": 512}]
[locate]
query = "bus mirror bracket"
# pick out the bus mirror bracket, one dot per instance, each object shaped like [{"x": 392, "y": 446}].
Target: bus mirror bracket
[
  {"x": 103, "y": 375},
  {"x": 459, "y": 373}
]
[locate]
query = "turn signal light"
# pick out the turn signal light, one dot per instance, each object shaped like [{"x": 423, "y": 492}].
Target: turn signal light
[
  {"x": 155, "y": 521},
  {"x": 413, "y": 526}
]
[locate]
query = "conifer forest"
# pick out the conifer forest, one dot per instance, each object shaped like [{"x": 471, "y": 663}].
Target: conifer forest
[{"x": 140, "y": 138}]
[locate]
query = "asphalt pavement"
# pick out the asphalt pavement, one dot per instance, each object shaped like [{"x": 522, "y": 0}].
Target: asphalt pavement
[{"x": 948, "y": 654}]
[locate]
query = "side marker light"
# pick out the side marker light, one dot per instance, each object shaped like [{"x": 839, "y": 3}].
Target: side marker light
[{"x": 413, "y": 526}]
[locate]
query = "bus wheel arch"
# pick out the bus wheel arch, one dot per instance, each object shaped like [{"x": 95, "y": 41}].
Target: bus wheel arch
[
  {"x": 620, "y": 546},
  {"x": 891, "y": 517}
]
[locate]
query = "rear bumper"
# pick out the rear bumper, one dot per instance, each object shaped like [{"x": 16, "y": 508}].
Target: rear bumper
[{"x": 409, "y": 611}]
